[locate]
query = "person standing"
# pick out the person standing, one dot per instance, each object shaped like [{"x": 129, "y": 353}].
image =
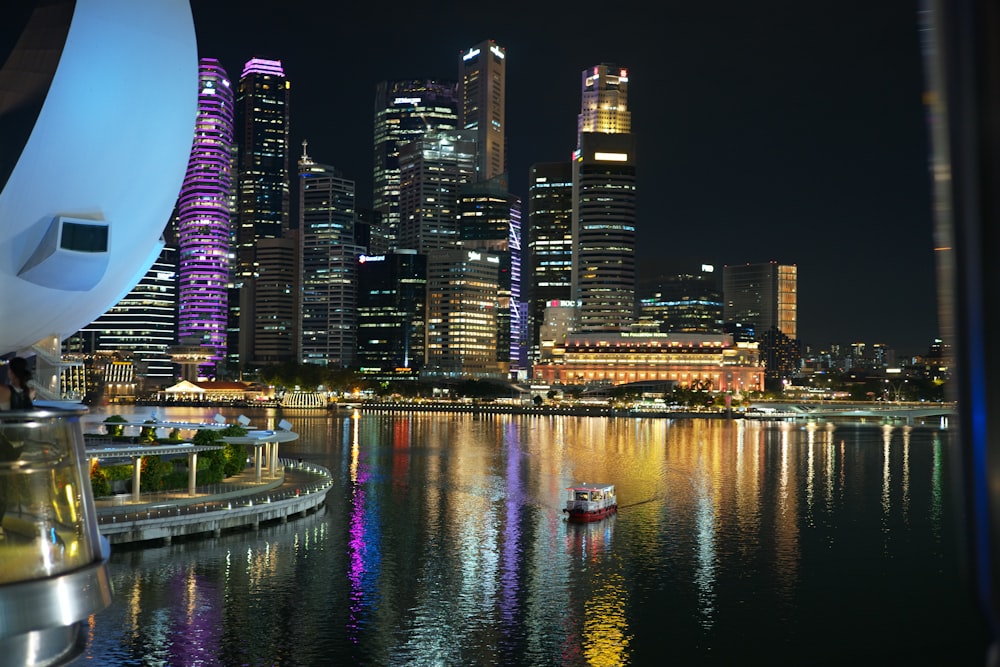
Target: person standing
[{"x": 17, "y": 394}]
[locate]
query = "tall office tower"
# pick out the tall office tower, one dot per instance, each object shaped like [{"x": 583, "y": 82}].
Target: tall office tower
[
  {"x": 142, "y": 325},
  {"x": 761, "y": 296},
  {"x": 262, "y": 126},
  {"x": 482, "y": 90},
  {"x": 604, "y": 194},
  {"x": 392, "y": 300},
  {"x": 431, "y": 170},
  {"x": 203, "y": 220},
  {"x": 404, "y": 111},
  {"x": 688, "y": 302},
  {"x": 328, "y": 257},
  {"x": 550, "y": 244},
  {"x": 489, "y": 219},
  {"x": 462, "y": 293},
  {"x": 274, "y": 334}
]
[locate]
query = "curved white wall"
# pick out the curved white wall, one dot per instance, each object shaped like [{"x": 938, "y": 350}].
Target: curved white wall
[{"x": 111, "y": 143}]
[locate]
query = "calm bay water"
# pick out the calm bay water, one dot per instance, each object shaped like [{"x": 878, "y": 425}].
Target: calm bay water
[{"x": 443, "y": 543}]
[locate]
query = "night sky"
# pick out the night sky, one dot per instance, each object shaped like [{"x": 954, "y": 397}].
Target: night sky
[{"x": 777, "y": 130}]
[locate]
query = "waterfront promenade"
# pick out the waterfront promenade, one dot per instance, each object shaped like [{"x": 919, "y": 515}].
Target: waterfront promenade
[{"x": 239, "y": 502}]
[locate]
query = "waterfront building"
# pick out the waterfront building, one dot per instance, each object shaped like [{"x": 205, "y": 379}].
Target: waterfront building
[
  {"x": 490, "y": 220},
  {"x": 462, "y": 303},
  {"x": 550, "y": 245},
  {"x": 432, "y": 169},
  {"x": 203, "y": 222},
  {"x": 392, "y": 300},
  {"x": 141, "y": 326},
  {"x": 688, "y": 302},
  {"x": 482, "y": 90},
  {"x": 604, "y": 199},
  {"x": 262, "y": 122},
  {"x": 404, "y": 111},
  {"x": 273, "y": 293},
  {"x": 763, "y": 298},
  {"x": 328, "y": 264},
  {"x": 712, "y": 360}
]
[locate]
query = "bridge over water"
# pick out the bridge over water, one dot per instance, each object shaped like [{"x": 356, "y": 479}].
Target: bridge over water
[{"x": 885, "y": 411}]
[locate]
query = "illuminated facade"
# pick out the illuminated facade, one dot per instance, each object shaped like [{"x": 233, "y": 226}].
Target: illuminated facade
[
  {"x": 328, "y": 269},
  {"x": 482, "y": 89},
  {"x": 404, "y": 111},
  {"x": 490, "y": 220},
  {"x": 203, "y": 220},
  {"x": 620, "y": 358},
  {"x": 432, "y": 170},
  {"x": 761, "y": 296},
  {"x": 550, "y": 244},
  {"x": 462, "y": 304},
  {"x": 392, "y": 299},
  {"x": 604, "y": 198},
  {"x": 262, "y": 126},
  {"x": 684, "y": 302}
]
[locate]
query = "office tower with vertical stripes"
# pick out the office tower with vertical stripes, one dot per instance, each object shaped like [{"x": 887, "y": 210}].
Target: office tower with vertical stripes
[
  {"x": 262, "y": 127},
  {"x": 482, "y": 91},
  {"x": 549, "y": 246},
  {"x": 392, "y": 306},
  {"x": 604, "y": 203},
  {"x": 404, "y": 111},
  {"x": 203, "y": 224},
  {"x": 328, "y": 257}
]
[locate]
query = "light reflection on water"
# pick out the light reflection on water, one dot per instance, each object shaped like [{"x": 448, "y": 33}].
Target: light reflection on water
[{"x": 443, "y": 543}]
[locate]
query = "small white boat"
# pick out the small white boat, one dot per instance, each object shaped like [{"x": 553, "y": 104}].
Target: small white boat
[{"x": 590, "y": 502}]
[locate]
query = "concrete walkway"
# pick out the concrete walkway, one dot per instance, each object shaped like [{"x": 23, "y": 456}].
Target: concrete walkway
[{"x": 238, "y": 502}]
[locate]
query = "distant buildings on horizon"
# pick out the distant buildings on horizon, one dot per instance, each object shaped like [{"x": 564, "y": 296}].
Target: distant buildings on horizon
[{"x": 447, "y": 275}]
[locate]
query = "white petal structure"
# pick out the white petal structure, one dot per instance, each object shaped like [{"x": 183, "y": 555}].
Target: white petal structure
[{"x": 83, "y": 209}]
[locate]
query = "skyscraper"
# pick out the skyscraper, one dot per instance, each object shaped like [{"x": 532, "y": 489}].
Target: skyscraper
[
  {"x": 404, "y": 111},
  {"x": 262, "y": 122},
  {"x": 604, "y": 195},
  {"x": 482, "y": 89},
  {"x": 761, "y": 296},
  {"x": 687, "y": 302},
  {"x": 490, "y": 220},
  {"x": 203, "y": 219},
  {"x": 431, "y": 170},
  {"x": 550, "y": 243},
  {"x": 329, "y": 264},
  {"x": 392, "y": 303},
  {"x": 142, "y": 325}
]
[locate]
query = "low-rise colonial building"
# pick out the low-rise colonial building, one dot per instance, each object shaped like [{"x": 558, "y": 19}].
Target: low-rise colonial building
[{"x": 710, "y": 360}]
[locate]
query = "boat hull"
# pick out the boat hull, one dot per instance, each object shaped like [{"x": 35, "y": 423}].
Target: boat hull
[{"x": 583, "y": 516}]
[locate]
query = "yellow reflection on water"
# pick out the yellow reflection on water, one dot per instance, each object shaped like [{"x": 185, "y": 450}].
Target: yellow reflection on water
[{"x": 605, "y": 629}]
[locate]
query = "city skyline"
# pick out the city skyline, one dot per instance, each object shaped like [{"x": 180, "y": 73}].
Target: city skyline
[{"x": 764, "y": 133}]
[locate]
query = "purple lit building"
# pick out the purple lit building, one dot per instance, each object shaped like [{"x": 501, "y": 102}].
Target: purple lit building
[{"x": 203, "y": 219}]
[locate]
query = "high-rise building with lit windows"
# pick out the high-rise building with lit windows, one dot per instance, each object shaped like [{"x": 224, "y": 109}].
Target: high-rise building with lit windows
[
  {"x": 490, "y": 220},
  {"x": 550, "y": 244},
  {"x": 329, "y": 264},
  {"x": 203, "y": 224},
  {"x": 482, "y": 89},
  {"x": 431, "y": 171},
  {"x": 392, "y": 305},
  {"x": 762, "y": 295},
  {"x": 404, "y": 111},
  {"x": 262, "y": 133},
  {"x": 604, "y": 200}
]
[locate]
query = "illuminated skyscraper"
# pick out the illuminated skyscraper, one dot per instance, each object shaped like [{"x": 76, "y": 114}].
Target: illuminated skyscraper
[
  {"x": 482, "y": 90},
  {"x": 490, "y": 220},
  {"x": 392, "y": 304},
  {"x": 550, "y": 244},
  {"x": 761, "y": 296},
  {"x": 329, "y": 264},
  {"x": 262, "y": 126},
  {"x": 431, "y": 170},
  {"x": 404, "y": 111},
  {"x": 604, "y": 195},
  {"x": 203, "y": 219}
]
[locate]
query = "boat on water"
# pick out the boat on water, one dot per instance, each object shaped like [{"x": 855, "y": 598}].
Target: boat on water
[{"x": 590, "y": 502}]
